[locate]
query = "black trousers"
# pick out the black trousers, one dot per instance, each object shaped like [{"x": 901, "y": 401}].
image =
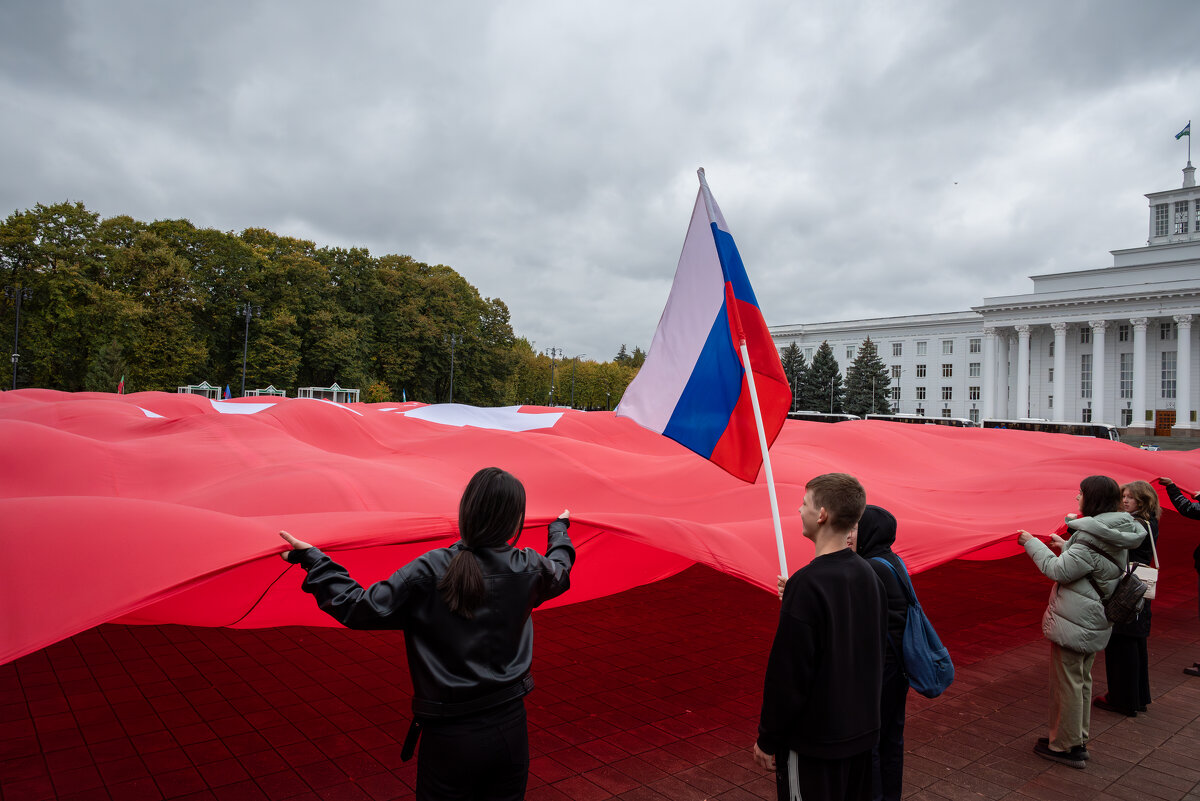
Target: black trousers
[
  {"x": 815, "y": 779},
  {"x": 887, "y": 760},
  {"x": 483, "y": 757},
  {"x": 1126, "y": 667}
]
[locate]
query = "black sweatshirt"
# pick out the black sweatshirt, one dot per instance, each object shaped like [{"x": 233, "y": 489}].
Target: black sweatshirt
[{"x": 821, "y": 694}]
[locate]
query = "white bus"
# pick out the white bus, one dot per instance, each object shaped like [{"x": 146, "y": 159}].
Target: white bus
[
  {"x": 920, "y": 419},
  {"x": 1100, "y": 430}
]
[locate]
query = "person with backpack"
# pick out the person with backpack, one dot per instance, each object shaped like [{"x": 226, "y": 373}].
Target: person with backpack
[
  {"x": 876, "y": 534},
  {"x": 1086, "y": 573}
]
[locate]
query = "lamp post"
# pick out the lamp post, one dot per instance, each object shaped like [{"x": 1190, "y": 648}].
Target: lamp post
[
  {"x": 553, "y": 353},
  {"x": 831, "y": 392},
  {"x": 608, "y": 401},
  {"x": 17, "y": 295},
  {"x": 247, "y": 310},
  {"x": 574, "y": 361},
  {"x": 453, "y": 339}
]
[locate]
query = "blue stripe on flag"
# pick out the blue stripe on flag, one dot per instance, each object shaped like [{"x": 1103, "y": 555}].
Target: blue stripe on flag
[
  {"x": 707, "y": 401},
  {"x": 732, "y": 267}
]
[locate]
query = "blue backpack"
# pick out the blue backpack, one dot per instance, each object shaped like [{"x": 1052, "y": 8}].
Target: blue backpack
[{"x": 926, "y": 660}]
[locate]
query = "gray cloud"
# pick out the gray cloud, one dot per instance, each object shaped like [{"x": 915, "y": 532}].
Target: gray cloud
[{"x": 871, "y": 158}]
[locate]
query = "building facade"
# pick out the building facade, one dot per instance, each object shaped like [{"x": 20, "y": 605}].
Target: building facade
[{"x": 1113, "y": 345}]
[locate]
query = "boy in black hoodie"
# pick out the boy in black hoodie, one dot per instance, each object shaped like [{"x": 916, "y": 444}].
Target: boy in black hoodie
[{"x": 820, "y": 711}]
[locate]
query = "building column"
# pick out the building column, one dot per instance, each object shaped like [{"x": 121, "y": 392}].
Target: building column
[
  {"x": 989, "y": 373},
  {"x": 1002, "y": 376},
  {"x": 1138, "y": 404},
  {"x": 1183, "y": 375},
  {"x": 1022, "y": 371},
  {"x": 1060, "y": 372},
  {"x": 1098, "y": 410}
]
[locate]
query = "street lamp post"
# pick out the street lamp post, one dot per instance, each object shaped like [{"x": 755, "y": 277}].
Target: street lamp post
[
  {"x": 553, "y": 353},
  {"x": 831, "y": 393},
  {"x": 574, "y": 361},
  {"x": 247, "y": 310},
  {"x": 453, "y": 339},
  {"x": 17, "y": 295}
]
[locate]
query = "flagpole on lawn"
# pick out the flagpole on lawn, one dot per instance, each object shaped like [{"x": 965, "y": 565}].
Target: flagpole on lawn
[{"x": 731, "y": 306}]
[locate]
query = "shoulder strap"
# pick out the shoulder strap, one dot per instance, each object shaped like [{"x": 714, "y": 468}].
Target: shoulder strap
[
  {"x": 1105, "y": 554},
  {"x": 909, "y": 593}
]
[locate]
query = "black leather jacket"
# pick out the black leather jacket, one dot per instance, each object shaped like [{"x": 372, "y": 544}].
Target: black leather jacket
[{"x": 458, "y": 666}]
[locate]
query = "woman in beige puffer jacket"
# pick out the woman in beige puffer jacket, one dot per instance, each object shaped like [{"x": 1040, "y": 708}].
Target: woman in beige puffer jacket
[{"x": 1074, "y": 621}]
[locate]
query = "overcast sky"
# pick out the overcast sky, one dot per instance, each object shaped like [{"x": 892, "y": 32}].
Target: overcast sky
[{"x": 870, "y": 158}]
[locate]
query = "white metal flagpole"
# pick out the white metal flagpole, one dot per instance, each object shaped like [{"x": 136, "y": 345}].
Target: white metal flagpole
[{"x": 762, "y": 443}]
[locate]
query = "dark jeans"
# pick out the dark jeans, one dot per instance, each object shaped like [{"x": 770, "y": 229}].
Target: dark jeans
[
  {"x": 484, "y": 756},
  {"x": 846, "y": 779},
  {"x": 887, "y": 760}
]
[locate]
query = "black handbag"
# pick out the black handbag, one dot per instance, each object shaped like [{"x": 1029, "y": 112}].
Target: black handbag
[{"x": 1127, "y": 600}]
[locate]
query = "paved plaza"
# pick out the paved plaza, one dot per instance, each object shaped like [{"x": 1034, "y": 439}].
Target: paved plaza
[{"x": 651, "y": 694}]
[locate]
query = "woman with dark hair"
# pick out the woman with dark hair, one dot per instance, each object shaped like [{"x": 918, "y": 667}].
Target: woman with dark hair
[
  {"x": 1074, "y": 622},
  {"x": 465, "y": 613},
  {"x": 1126, "y": 661}
]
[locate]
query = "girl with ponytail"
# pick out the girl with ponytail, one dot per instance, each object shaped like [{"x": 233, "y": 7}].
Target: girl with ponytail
[{"x": 465, "y": 612}]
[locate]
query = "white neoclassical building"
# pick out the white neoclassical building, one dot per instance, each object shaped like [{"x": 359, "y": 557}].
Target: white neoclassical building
[{"x": 1111, "y": 345}]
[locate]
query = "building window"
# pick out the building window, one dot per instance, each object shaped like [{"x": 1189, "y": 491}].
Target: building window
[
  {"x": 895, "y": 372},
  {"x": 1050, "y": 374},
  {"x": 1085, "y": 375},
  {"x": 1123, "y": 332},
  {"x": 947, "y": 371},
  {"x": 920, "y": 393},
  {"x": 973, "y": 370},
  {"x": 973, "y": 414},
  {"x": 896, "y": 394},
  {"x": 808, "y": 354},
  {"x": 920, "y": 412},
  {"x": 1196, "y": 225},
  {"x": 1126, "y": 375},
  {"x": 897, "y": 349},
  {"x": 920, "y": 371},
  {"x": 1168, "y": 374},
  {"x": 1051, "y": 353},
  {"x": 947, "y": 393},
  {"x": 850, "y": 353},
  {"x": 1161, "y": 219},
  {"x": 946, "y": 412},
  {"x": 973, "y": 393},
  {"x": 921, "y": 348},
  {"x": 975, "y": 345},
  {"x": 1181, "y": 217},
  {"x": 1126, "y": 417},
  {"x": 1087, "y": 415},
  {"x": 1167, "y": 332},
  {"x": 947, "y": 347},
  {"x": 1085, "y": 335},
  {"x": 1049, "y": 401}
]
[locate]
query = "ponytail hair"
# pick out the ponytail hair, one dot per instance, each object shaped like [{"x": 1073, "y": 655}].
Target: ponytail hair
[{"x": 490, "y": 513}]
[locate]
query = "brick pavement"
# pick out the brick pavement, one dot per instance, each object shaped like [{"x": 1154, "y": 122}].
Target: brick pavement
[{"x": 651, "y": 694}]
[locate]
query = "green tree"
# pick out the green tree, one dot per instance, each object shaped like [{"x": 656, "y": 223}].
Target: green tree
[
  {"x": 796, "y": 370},
  {"x": 823, "y": 390},
  {"x": 106, "y": 369},
  {"x": 868, "y": 382},
  {"x": 638, "y": 358},
  {"x": 622, "y": 356}
]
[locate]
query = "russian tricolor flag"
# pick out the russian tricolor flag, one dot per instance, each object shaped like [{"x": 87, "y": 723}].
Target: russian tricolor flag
[{"x": 693, "y": 387}]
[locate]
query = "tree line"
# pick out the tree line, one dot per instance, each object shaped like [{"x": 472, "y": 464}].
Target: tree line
[
  {"x": 819, "y": 387},
  {"x": 165, "y": 304}
]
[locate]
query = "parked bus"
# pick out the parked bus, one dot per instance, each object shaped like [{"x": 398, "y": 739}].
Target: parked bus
[
  {"x": 1100, "y": 430},
  {"x": 920, "y": 419},
  {"x": 822, "y": 417}
]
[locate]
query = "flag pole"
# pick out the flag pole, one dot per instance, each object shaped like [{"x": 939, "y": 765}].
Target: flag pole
[{"x": 766, "y": 454}]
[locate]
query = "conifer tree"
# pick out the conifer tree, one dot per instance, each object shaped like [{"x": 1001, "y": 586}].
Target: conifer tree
[
  {"x": 795, "y": 368},
  {"x": 823, "y": 390},
  {"x": 868, "y": 383}
]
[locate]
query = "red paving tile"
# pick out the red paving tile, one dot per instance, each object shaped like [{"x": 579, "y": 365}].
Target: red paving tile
[{"x": 630, "y": 704}]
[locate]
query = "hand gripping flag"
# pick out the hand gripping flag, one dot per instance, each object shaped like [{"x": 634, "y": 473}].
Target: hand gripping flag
[{"x": 694, "y": 387}]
